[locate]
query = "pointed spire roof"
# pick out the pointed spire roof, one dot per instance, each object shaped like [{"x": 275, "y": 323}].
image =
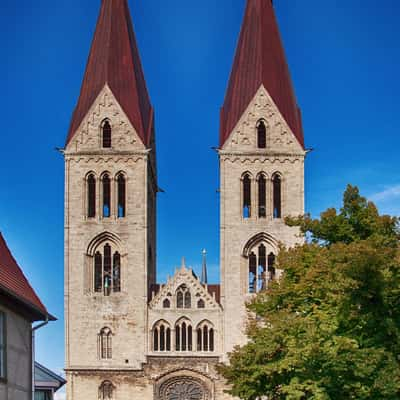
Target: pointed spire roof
[
  {"x": 114, "y": 60},
  {"x": 259, "y": 60},
  {"x": 204, "y": 277}
]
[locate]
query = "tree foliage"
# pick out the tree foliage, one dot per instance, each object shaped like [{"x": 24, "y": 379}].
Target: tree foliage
[{"x": 330, "y": 328}]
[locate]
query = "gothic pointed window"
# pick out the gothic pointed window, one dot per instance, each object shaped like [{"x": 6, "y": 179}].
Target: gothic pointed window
[
  {"x": 166, "y": 303},
  {"x": 271, "y": 266},
  {"x": 106, "y": 135},
  {"x": 116, "y": 272},
  {"x": 183, "y": 297},
  {"x": 201, "y": 304},
  {"x": 252, "y": 273},
  {"x": 262, "y": 268},
  {"x": 277, "y": 196},
  {"x": 121, "y": 189},
  {"x": 106, "y": 391},
  {"x": 98, "y": 272},
  {"x": 246, "y": 182},
  {"x": 261, "y": 135},
  {"x": 262, "y": 196},
  {"x": 205, "y": 337},
  {"x": 106, "y": 196},
  {"x": 161, "y": 337},
  {"x": 91, "y": 196},
  {"x": 183, "y": 336},
  {"x": 105, "y": 344},
  {"x": 107, "y": 270}
]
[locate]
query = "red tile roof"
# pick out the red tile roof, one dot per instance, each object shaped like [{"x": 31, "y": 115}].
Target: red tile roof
[
  {"x": 14, "y": 282},
  {"x": 260, "y": 59},
  {"x": 114, "y": 59}
]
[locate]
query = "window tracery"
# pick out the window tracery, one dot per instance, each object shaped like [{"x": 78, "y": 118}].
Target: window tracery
[
  {"x": 183, "y": 335},
  {"x": 205, "y": 337},
  {"x": 261, "y": 268},
  {"x": 183, "y": 297},
  {"x": 105, "y": 344},
  {"x": 162, "y": 337},
  {"x": 107, "y": 270}
]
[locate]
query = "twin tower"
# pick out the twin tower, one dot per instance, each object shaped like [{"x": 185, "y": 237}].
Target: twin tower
[{"x": 128, "y": 337}]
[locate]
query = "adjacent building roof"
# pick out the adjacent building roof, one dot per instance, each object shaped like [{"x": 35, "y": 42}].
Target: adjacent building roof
[
  {"x": 46, "y": 379},
  {"x": 114, "y": 60},
  {"x": 259, "y": 60},
  {"x": 14, "y": 283}
]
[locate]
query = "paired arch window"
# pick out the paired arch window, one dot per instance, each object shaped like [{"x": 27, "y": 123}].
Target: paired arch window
[
  {"x": 183, "y": 336},
  {"x": 106, "y": 184},
  {"x": 162, "y": 337},
  {"x": 261, "y": 268},
  {"x": 261, "y": 135},
  {"x": 246, "y": 182},
  {"x": 205, "y": 337},
  {"x": 105, "y": 344},
  {"x": 106, "y": 131},
  {"x": 107, "y": 270},
  {"x": 183, "y": 297},
  {"x": 106, "y": 391}
]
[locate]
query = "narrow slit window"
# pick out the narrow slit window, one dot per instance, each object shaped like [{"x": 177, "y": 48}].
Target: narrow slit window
[
  {"x": 106, "y": 391},
  {"x": 261, "y": 135},
  {"x": 271, "y": 266},
  {"x": 262, "y": 268},
  {"x": 91, "y": 196},
  {"x": 211, "y": 344},
  {"x": 106, "y": 196},
  {"x": 168, "y": 340},
  {"x": 252, "y": 273},
  {"x": 188, "y": 300},
  {"x": 98, "y": 272},
  {"x": 107, "y": 270},
  {"x": 116, "y": 272},
  {"x": 277, "y": 195},
  {"x": 177, "y": 338},
  {"x": 106, "y": 344},
  {"x": 246, "y": 196},
  {"x": 166, "y": 303},
  {"x": 155, "y": 339},
  {"x": 201, "y": 304},
  {"x": 205, "y": 338},
  {"x": 262, "y": 197},
  {"x": 121, "y": 196},
  {"x": 199, "y": 340},
  {"x": 106, "y": 135},
  {"x": 162, "y": 338},
  {"x": 190, "y": 338}
]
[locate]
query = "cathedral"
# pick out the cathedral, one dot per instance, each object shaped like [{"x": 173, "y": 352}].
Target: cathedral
[{"x": 127, "y": 336}]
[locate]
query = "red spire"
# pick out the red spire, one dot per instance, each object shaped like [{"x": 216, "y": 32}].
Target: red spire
[
  {"x": 260, "y": 59},
  {"x": 114, "y": 59}
]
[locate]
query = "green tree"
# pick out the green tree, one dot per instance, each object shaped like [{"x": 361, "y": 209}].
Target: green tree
[{"x": 330, "y": 328}]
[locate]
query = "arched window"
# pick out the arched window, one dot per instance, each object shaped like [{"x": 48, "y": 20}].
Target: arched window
[
  {"x": 91, "y": 196},
  {"x": 105, "y": 344},
  {"x": 107, "y": 270},
  {"x": 201, "y": 304},
  {"x": 106, "y": 196},
  {"x": 183, "y": 335},
  {"x": 183, "y": 297},
  {"x": 262, "y": 196},
  {"x": 271, "y": 266},
  {"x": 277, "y": 196},
  {"x": 106, "y": 391},
  {"x": 106, "y": 135},
  {"x": 205, "y": 337},
  {"x": 261, "y": 135},
  {"x": 121, "y": 186},
  {"x": 162, "y": 336},
  {"x": 246, "y": 196},
  {"x": 261, "y": 268},
  {"x": 166, "y": 303}
]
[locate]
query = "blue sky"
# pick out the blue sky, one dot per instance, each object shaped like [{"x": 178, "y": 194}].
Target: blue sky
[{"x": 344, "y": 58}]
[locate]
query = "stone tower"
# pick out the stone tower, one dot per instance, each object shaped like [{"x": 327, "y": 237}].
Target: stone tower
[
  {"x": 261, "y": 166},
  {"x": 110, "y": 209}
]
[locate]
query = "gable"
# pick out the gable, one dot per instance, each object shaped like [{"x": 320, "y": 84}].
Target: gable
[
  {"x": 184, "y": 276},
  {"x": 88, "y": 137},
  {"x": 280, "y": 138}
]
